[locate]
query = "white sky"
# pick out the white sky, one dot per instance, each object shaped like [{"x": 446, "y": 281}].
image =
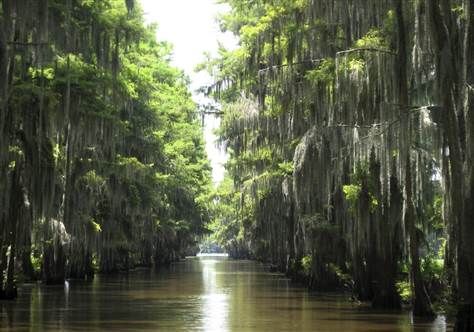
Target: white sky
[{"x": 191, "y": 26}]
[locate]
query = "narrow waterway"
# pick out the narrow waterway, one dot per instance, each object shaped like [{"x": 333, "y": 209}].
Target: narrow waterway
[{"x": 198, "y": 294}]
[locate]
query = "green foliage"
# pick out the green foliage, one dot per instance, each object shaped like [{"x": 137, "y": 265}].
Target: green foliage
[
  {"x": 432, "y": 267},
  {"x": 36, "y": 260},
  {"x": 286, "y": 167},
  {"x": 92, "y": 181},
  {"x": 325, "y": 73},
  {"x": 436, "y": 214},
  {"x": 303, "y": 68},
  {"x": 344, "y": 279},
  {"x": 373, "y": 39},
  {"x": 225, "y": 225},
  {"x": 356, "y": 65},
  {"x": 95, "y": 226},
  {"x": 351, "y": 193},
  {"x": 459, "y": 11},
  {"x": 404, "y": 289},
  {"x": 306, "y": 264},
  {"x": 105, "y": 134},
  {"x": 361, "y": 181}
]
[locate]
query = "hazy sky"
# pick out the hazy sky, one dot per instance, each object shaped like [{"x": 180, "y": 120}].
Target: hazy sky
[{"x": 191, "y": 26}]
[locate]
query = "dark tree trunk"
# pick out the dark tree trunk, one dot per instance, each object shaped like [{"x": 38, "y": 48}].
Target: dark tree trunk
[
  {"x": 465, "y": 315},
  {"x": 54, "y": 262},
  {"x": 421, "y": 302},
  {"x": 26, "y": 264},
  {"x": 15, "y": 206},
  {"x": 460, "y": 214},
  {"x": 24, "y": 242},
  {"x": 80, "y": 264},
  {"x": 3, "y": 68},
  {"x": 364, "y": 262},
  {"x": 385, "y": 291}
]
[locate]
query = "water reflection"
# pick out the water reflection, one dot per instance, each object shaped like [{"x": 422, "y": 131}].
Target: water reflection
[
  {"x": 215, "y": 301},
  {"x": 199, "y": 294}
]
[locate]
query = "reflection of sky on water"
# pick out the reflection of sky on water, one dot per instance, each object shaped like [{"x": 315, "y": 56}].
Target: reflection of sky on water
[{"x": 215, "y": 301}]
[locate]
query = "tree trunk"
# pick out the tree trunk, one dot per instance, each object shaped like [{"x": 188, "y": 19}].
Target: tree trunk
[
  {"x": 53, "y": 262},
  {"x": 16, "y": 202},
  {"x": 420, "y": 299},
  {"x": 421, "y": 302},
  {"x": 465, "y": 315},
  {"x": 3, "y": 69},
  {"x": 385, "y": 291}
]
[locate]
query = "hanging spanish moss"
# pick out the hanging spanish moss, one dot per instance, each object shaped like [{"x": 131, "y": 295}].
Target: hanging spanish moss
[
  {"x": 348, "y": 126},
  {"x": 90, "y": 134}
]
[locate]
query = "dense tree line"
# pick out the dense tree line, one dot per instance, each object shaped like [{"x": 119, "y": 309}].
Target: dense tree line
[
  {"x": 350, "y": 130},
  {"x": 102, "y": 161}
]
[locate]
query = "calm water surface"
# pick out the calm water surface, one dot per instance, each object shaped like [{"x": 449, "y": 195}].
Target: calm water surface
[{"x": 198, "y": 294}]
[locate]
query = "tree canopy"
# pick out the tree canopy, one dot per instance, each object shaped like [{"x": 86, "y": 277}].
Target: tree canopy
[
  {"x": 349, "y": 130},
  {"x": 102, "y": 154}
]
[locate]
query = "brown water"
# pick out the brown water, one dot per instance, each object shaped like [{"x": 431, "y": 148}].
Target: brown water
[{"x": 207, "y": 294}]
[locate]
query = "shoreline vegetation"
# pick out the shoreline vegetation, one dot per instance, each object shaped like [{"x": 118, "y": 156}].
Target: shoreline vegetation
[
  {"x": 102, "y": 155},
  {"x": 349, "y": 130},
  {"x": 349, "y": 127}
]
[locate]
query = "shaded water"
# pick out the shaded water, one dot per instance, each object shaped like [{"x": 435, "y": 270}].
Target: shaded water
[{"x": 198, "y": 294}]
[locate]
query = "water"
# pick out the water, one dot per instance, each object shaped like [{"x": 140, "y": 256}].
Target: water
[{"x": 198, "y": 294}]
